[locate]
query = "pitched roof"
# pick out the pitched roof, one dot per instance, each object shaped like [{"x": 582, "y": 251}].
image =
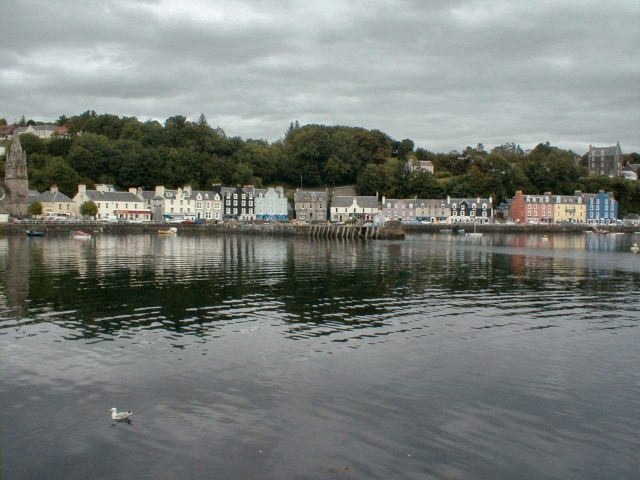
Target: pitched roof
[
  {"x": 611, "y": 150},
  {"x": 309, "y": 196},
  {"x": 51, "y": 197},
  {"x": 112, "y": 196},
  {"x": 347, "y": 201}
]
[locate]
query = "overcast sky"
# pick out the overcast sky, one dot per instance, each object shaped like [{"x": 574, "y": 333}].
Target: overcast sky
[{"x": 443, "y": 73}]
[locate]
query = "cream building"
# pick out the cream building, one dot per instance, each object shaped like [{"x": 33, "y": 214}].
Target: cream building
[
  {"x": 55, "y": 202},
  {"x": 347, "y": 208},
  {"x": 113, "y": 205}
]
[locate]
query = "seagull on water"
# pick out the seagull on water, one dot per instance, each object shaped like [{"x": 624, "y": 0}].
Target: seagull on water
[{"x": 119, "y": 416}]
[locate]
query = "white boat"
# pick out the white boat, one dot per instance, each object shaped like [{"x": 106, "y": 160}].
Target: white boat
[
  {"x": 168, "y": 231},
  {"x": 80, "y": 235},
  {"x": 635, "y": 248}
]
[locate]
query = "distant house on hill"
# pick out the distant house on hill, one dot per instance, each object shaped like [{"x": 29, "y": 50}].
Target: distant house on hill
[
  {"x": 6, "y": 131},
  {"x": 415, "y": 165},
  {"x": 605, "y": 161}
]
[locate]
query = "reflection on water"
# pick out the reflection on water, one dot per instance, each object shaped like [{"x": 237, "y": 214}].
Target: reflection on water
[{"x": 441, "y": 356}]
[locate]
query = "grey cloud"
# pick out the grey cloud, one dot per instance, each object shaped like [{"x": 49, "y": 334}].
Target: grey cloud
[{"x": 444, "y": 73}]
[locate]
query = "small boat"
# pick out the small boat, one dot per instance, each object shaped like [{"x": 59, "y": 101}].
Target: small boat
[
  {"x": 35, "y": 233},
  {"x": 80, "y": 235},
  {"x": 168, "y": 231},
  {"x": 635, "y": 248},
  {"x": 545, "y": 238}
]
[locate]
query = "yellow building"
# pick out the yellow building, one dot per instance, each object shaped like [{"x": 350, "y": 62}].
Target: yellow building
[
  {"x": 55, "y": 203},
  {"x": 569, "y": 209}
]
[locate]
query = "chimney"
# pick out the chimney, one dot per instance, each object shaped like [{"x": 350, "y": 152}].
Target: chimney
[
  {"x": 54, "y": 188},
  {"x": 160, "y": 191},
  {"x": 82, "y": 188},
  {"x": 133, "y": 190}
]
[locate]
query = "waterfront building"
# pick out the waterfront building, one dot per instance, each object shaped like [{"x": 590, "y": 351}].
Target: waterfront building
[
  {"x": 532, "y": 209},
  {"x": 54, "y": 202},
  {"x": 432, "y": 210},
  {"x": 605, "y": 161},
  {"x": 208, "y": 205},
  {"x": 238, "y": 202},
  {"x": 16, "y": 181},
  {"x": 465, "y": 210},
  {"x": 311, "y": 206},
  {"x": 629, "y": 175},
  {"x": 569, "y": 208},
  {"x": 354, "y": 207},
  {"x": 602, "y": 208},
  {"x": 402, "y": 210},
  {"x": 113, "y": 205},
  {"x": 182, "y": 204},
  {"x": 271, "y": 204}
]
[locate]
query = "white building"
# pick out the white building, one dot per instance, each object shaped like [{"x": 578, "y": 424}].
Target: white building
[
  {"x": 208, "y": 205},
  {"x": 415, "y": 165},
  {"x": 113, "y": 205},
  {"x": 348, "y": 208},
  {"x": 42, "y": 131},
  {"x": 271, "y": 204}
]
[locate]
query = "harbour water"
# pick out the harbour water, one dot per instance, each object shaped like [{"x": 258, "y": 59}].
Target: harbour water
[{"x": 436, "y": 357}]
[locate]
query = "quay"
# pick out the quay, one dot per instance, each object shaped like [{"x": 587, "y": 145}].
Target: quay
[{"x": 391, "y": 230}]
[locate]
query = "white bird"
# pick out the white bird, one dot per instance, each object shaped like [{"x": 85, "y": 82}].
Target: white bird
[
  {"x": 635, "y": 248},
  {"x": 119, "y": 416}
]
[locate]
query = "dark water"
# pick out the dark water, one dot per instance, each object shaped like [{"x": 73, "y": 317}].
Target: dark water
[{"x": 258, "y": 358}]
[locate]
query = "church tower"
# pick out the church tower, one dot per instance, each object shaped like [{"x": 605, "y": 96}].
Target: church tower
[{"x": 16, "y": 182}]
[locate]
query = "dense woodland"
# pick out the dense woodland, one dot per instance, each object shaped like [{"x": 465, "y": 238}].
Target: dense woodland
[{"x": 127, "y": 152}]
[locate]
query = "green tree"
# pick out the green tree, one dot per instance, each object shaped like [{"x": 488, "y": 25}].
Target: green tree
[
  {"x": 88, "y": 209},
  {"x": 54, "y": 171},
  {"x": 424, "y": 185},
  {"x": 35, "y": 208},
  {"x": 32, "y": 144},
  {"x": 202, "y": 120}
]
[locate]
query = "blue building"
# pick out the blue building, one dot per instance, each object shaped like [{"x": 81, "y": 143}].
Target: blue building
[{"x": 602, "y": 207}]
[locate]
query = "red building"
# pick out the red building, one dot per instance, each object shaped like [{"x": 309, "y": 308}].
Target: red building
[{"x": 532, "y": 208}]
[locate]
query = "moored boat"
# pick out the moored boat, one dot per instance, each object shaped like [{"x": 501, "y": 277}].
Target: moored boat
[
  {"x": 168, "y": 231},
  {"x": 35, "y": 233},
  {"x": 80, "y": 235}
]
